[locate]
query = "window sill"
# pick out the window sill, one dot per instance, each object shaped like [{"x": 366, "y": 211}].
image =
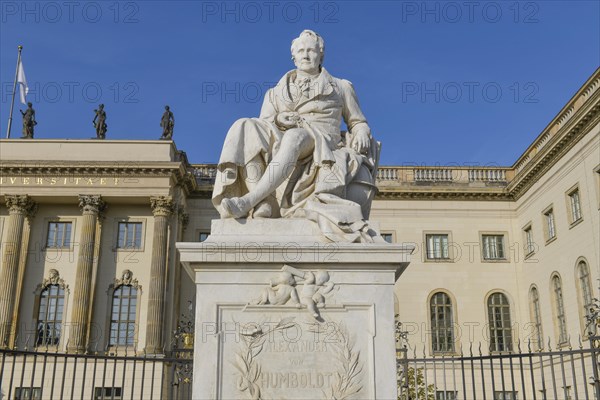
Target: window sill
[
  {"x": 54, "y": 348},
  {"x": 128, "y": 250},
  {"x": 495, "y": 260},
  {"x": 439, "y": 260},
  {"x": 57, "y": 249},
  {"x": 121, "y": 350},
  {"x": 575, "y": 223},
  {"x": 500, "y": 352},
  {"x": 445, "y": 354},
  {"x": 552, "y": 239}
]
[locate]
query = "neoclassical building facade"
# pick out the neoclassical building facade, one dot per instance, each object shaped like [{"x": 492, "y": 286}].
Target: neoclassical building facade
[{"x": 504, "y": 255}]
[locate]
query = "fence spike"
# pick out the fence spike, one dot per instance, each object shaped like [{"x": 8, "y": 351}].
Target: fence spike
[
  {"x": 569, "y": 342},
  {"x": 580, "y": 343},
  {"x": 480, "y": 354},
  {"x": 461, "y": 349},
  {"x": 549, "y": 344},
  {"x": 424, "y": 354},
  {"x": 67, "y": 349},
  {"x": 519, "y": 346},
  {"x": 529, "y": 345}
]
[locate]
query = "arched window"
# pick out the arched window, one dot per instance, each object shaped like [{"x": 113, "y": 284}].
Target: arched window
[
  {"x": 124, "y": 308},
  {"x": 585, "y": 293},
  {"x": 442, "y": 323},
  {"x": 50, "y": 311},
  {"x": 499, "y": 322},
  {"x": 536, "y": 318},
  {"x": 561, "y": 318}
]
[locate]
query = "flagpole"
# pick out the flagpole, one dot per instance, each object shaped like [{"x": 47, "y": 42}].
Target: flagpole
[{"x": 12, "y": 103}]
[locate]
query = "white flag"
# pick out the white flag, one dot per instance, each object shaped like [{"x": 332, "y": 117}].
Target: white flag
[{"x": 22, "y": 81}]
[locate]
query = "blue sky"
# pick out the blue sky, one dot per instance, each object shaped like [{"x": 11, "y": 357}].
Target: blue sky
[{"x": 441, "y": 83}]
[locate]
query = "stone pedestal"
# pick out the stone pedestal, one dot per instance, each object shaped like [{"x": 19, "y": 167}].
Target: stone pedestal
[{"x": 296, "y": 348}]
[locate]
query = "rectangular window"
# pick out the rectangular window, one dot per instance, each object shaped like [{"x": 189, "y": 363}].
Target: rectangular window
[
  {"x": 130, "y": 235},
  {"x": 550, "y": 228},
  {"x": 388, "y": 237},
  {"x": 529, "y": 244},
  {"x": 493, "y": 247},
  {"x": 202, "y": 236},
  {"x": 505, "y": 395},
  {"x": 437, "y": 247},
  {"x": 27, "y": 393},
  {"x": 105, "y": 393},
  {"x": 575, "y": 203},
  {"x": 59, "y": 234}
]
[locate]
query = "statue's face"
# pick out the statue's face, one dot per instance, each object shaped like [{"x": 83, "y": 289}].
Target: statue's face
[{"x": 306, "y": 55}]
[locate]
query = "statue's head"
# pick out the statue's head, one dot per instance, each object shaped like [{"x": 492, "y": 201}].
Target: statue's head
[
  {"x": 308, "y": 51},
  {"x": 29, "y": 105},
  {"x": 167, "y": 108},
  {"x": 101, "y": 106},
  {"x": 321, "y": 277}
]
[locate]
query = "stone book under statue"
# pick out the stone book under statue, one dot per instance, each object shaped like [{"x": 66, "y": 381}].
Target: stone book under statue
[{"x": 295, "y": 287}]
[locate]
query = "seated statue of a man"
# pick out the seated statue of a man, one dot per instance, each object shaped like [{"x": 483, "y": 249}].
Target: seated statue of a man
[{"x": 294, "y": 161}]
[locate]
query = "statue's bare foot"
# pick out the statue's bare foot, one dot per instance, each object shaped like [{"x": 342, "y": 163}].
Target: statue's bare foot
[
  {"x": 262, "y": 210},
  {"x": 236, "y": 207}
]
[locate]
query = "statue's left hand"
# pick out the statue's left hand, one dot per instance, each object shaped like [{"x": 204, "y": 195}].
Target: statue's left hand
[{"x": 361, "y": 142}]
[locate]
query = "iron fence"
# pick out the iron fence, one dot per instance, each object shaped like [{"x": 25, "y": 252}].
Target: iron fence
[
  {"x": 563, "y": 374},
  {"x": 37, "y": 374}
]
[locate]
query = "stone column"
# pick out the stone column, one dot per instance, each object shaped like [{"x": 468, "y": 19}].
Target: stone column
[
  {"x": 19, "y": 207},
  {"x": 92, "y": 206},
  {"x": 162, "y": 208}
]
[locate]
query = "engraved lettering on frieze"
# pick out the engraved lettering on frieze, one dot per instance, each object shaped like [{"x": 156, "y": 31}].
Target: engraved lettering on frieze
[
  {"x": 58, "y": 180},
  {"x": 283, "y": 289}
]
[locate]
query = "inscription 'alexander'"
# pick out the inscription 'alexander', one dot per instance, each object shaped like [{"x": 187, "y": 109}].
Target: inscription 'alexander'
[
  {"x": 59, "y": 181},
  {"x": 301, "y": 346}
]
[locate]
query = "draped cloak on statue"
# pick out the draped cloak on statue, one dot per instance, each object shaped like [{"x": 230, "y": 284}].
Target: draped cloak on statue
[{"x": 317, "y": 186}]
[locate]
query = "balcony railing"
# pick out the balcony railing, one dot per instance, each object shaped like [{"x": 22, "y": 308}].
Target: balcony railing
[{"x": 205, "y": 173}]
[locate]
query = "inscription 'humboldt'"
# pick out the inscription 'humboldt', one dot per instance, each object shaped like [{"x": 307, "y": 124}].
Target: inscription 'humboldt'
[{"x": 296, "y": 380}]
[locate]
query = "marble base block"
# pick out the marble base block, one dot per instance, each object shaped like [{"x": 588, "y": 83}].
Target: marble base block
[{"x": 283, "y": 314}]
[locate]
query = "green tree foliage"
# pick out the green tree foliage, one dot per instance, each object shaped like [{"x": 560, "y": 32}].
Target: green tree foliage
[{"x": 413, "y": 388}]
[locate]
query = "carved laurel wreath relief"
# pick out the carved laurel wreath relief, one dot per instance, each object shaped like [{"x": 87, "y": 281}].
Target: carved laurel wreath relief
[{"x": 346, "y": 381}]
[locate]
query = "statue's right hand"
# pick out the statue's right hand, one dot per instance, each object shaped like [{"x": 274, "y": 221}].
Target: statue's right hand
[{"x": 287, "y": 119}]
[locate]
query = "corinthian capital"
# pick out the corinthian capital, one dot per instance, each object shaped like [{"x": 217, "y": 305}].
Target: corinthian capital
[
  {"x": 20, "y": 204},
  {"x": 161, "y": 205},
  {"x": 91, "y": 203}
]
